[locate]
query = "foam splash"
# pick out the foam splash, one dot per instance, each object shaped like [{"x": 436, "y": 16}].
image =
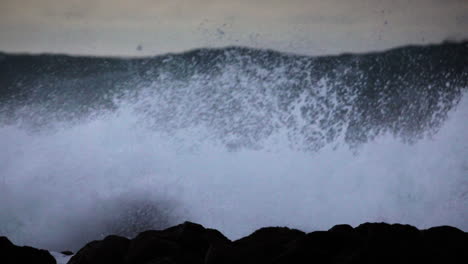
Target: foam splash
[{"x": 113, "y": 173}]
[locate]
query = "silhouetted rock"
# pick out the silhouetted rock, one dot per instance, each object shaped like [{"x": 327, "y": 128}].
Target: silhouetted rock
[
  {"x": 262, "y": 246},
  {"x": 12, "y": 254},
  {"x": 386, "y": 243},
  {"x": 185, "y": 243},
  {"x": 191, "y": 243},
  {"x": 341, "y": 228},
  {"x": 322, "y": 247},
  {"x": 446, "y": 244},
  {"x": 111, "y": 250},
  {"x": 67, "y": 253},
  {"x": 150, "y": 245}
]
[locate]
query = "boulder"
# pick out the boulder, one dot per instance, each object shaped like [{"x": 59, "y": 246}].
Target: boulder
[
  {"x": 110, "y": 250},
  {"x": 341, "y": 228},
  {"x": 337, "y": 246},
  {"x": 262, "y": 246},
  {"x": 445, "y": 244},
  {"x": 385, "y": 243},
  {"x": 12, "y": 254},
  {"x": 191, "y": 243},
  {"x": 184, "y": 243},
  {"x": 151, "y": 246}
]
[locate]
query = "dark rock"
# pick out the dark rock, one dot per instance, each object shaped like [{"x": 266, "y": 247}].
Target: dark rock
[
  {"x": 385, "y": 243},
  {"x": 12, "y": 254},
  {"x": 194, "y": 236},
  {"x": 262, "y": 246},
  {"x": 341, "y": 228},
  {"x": 220, "y": 253},
  {"x": 191, "y": 243},
  {"x": 67, "y": 253},
  {"x": 322, "y": 247},
  {"x": 151, "y": 245},
  {"x": 5, "y": 243},
  {"x": 164, "y": 260},
  {"x": 446, "y": 244},
  {"x": 111, "y": 250},
  {"x": 185, "y": 243}
]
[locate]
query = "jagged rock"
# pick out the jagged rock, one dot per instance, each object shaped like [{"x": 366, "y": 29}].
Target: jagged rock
[
  {"x": 184, "y": 243},
  {"x": 385, "y": 243},
  {"x": 12, "y": 254},
  {"x": 150, "y": 245},
  {"x": 262, "y": 246},
  {"x": 446, "y": 244},
  {"x": 322, "y": 247},
  {"x": 191, "y": 243},
  {"x": 111, "y": 250}
]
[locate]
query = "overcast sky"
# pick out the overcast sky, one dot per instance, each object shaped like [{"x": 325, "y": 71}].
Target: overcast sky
[{"x": 147, "y": 27}]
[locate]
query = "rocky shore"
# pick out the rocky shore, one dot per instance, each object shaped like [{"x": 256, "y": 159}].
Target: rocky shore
[{"x": 193, "y": 243}]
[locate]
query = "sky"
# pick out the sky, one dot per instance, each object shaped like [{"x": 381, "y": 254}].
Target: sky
[{"x": 149, "y": 27}]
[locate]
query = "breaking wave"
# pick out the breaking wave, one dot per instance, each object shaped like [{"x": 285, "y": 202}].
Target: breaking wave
[{"x": 232, "y": 138}]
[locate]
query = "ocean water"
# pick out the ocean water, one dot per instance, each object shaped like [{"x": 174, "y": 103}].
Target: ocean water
[{"x": 235, "y": 140}]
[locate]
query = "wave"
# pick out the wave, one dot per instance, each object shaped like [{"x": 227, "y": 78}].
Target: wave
[
  {"x": 232, "y": 138},
  {"x": 244, "y": 96}
]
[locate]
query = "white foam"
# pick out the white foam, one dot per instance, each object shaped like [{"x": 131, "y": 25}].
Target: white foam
[
  {"x": 60, "y": 258},
  {"x": 55, "y": 183}
]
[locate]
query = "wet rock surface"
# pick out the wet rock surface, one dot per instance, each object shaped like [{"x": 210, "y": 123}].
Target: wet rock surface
[{"x": 193, "y": 243}]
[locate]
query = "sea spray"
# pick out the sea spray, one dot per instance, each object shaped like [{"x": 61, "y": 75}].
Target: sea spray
[{"x": 234, "y": 139}]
